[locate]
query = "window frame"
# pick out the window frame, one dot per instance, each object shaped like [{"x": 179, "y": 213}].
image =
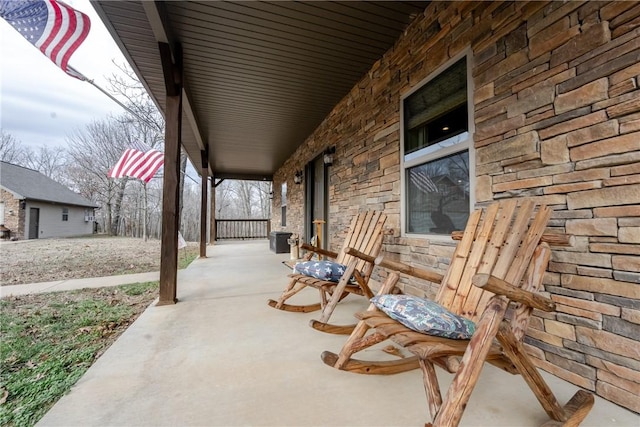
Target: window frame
[
  {"x": 462, "y": 142},
  {"x": 65, "y": 214},
  {"x": 283, "y": 204}
]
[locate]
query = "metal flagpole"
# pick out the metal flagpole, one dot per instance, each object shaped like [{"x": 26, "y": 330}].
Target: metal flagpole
[
  {"x": 82, "y": 77},
  {"x": 114, "y": 99},
  {"x": 123, "y": 106}
]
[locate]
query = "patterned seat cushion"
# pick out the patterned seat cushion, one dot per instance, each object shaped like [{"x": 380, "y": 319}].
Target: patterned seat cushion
[
  {"x": 426, "y": 316},
  {"x": 323, "y": 270}
]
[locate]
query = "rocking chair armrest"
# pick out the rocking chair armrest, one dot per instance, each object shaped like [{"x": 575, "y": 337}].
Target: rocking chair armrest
[
  {"x": 553, "y": 239},
  {"x": 319, "y": 251},
  {"x": 421, "y": 273},
  {"x": 356, "y": 253},
  {"x": 500, "y": 287}
]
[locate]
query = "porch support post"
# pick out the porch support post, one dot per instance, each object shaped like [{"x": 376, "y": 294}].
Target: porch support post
[
  {"x": 212, "y": 225},
  {"x": 170, "y": 192},
  {"x": 204, "y": 154}
]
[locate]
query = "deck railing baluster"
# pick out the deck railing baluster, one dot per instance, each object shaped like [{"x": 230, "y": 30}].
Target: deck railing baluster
[{"x": 242, "y": 229}]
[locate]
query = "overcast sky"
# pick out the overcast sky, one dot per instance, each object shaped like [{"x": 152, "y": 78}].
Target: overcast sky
[{"x": 39, "y": 103}]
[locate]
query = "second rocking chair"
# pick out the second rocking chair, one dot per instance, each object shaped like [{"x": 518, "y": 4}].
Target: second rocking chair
[{"x": 350, "y": 274}]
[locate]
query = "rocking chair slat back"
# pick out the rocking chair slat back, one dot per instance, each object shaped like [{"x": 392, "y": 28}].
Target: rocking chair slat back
[
  {"x": 354, "y": 229},
  {"x": 465, "y": 290},
  {"x": 498, "y": 241},
  {"x": 366, "y": 236},
  {"x": 502, "y": 244}
]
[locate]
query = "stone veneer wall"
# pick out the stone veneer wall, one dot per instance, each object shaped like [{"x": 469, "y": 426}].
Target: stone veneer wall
[
  {"x": 557, "y": 119},
  {"x": 15, "y": 221}
]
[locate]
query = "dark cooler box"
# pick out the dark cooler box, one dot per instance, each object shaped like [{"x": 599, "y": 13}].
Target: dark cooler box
[{"x": 278, "y": 241}]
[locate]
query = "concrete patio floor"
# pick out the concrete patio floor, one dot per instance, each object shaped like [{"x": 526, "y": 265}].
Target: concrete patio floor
[{"x": 222, "y": 357}]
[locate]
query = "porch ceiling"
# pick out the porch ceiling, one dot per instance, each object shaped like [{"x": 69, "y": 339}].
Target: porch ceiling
[{"x": 259, "y": 76}]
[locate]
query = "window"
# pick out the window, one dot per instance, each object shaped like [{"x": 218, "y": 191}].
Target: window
[
  {"x": 65, "y": 214},
  {"x": 436, "y": 147},
  {"x": 284, "y": 205}
]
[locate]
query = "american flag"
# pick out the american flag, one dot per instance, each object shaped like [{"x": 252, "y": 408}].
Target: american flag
[
  {"x": 51, "y": 26},
  {"x": 138, "y": 164},
  {"x": 422, "y": 181}
]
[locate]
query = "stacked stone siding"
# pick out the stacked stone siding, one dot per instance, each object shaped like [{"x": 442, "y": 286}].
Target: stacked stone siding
[
  {"x": 13, "y": 215},
  {"x": 557, "y": 119}
]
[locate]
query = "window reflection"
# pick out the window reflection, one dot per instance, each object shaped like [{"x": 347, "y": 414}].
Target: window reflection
[{"x": 438, "y": 195}]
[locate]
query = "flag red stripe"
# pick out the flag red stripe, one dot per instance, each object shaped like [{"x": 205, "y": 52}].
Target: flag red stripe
[
  {"x": 134, "y": 158},
  {"x": 148, "y": 166},
  {"x": 156, "y": 160},
  {"x": 86, "y": 24},
  {"x": 56, "y": 17},
  {"x": 57, "y": 29},
  {"x": 137, "y": 164},
  {"x": 69, "y": 18},
  {"x": 115, "y": 170},
  {"x": 119, "y": 168},
  {"x": 153, "y": 162}
]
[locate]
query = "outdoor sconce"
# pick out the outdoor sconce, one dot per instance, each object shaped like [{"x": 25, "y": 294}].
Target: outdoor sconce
[
  {"x": 297, "y": 178},
  {"x": 328, "y": 155}
]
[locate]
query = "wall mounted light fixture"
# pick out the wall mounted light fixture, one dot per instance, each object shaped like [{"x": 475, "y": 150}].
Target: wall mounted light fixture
[
  {"x": 328, "y": 155},
  {"x": 297, "y": 178}
]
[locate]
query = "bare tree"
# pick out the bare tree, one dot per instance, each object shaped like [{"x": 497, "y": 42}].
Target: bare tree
[
  {"x": 243, "y": 191},
  {"x": 243, "y": 199},
  {"x": 143, "y": 113},
  {"x": 223, "y": 200},
  {"x": 191, "y": 211},
  {"x": 263, "y": 195},
  {"x": 145, "y": 121},
  {"x": 11, "y": 150},
  {"x": 93, "y": 152},
  {"x": 48, "y": 161}
]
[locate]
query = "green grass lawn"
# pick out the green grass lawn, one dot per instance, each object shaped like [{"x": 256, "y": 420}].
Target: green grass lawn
[
  {"x": 187, "y": 255},
  {"x": 50, "y": 340}
]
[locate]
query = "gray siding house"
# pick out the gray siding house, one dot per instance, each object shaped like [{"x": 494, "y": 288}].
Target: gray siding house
[{"x": 33, "y": 206}]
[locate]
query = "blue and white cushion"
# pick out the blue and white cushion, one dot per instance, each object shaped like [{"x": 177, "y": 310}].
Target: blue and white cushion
[
  {"x": 426, "y": 316},
  {"x": 323, "y": 270}
]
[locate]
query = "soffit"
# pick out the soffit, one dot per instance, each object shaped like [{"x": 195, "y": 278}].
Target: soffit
[{"x": 260, "y": 76}]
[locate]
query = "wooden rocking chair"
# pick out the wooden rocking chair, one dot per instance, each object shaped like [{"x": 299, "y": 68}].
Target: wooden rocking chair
[
  {"x": 485, "y": 283},
  {"x": 365, "y": 234}
]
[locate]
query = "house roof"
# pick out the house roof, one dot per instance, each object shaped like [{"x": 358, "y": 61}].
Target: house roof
[
  {"x": 29, "y": 184},
  {"x": 259, "y": 77}
]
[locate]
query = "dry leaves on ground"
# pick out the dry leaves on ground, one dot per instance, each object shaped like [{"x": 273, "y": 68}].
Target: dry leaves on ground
[{"x": 45, "y": 260}]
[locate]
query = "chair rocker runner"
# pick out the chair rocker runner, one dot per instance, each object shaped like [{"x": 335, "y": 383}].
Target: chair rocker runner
[
  {"x": 366, "y": 233},
  {"x": 494, "y": 273}
]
